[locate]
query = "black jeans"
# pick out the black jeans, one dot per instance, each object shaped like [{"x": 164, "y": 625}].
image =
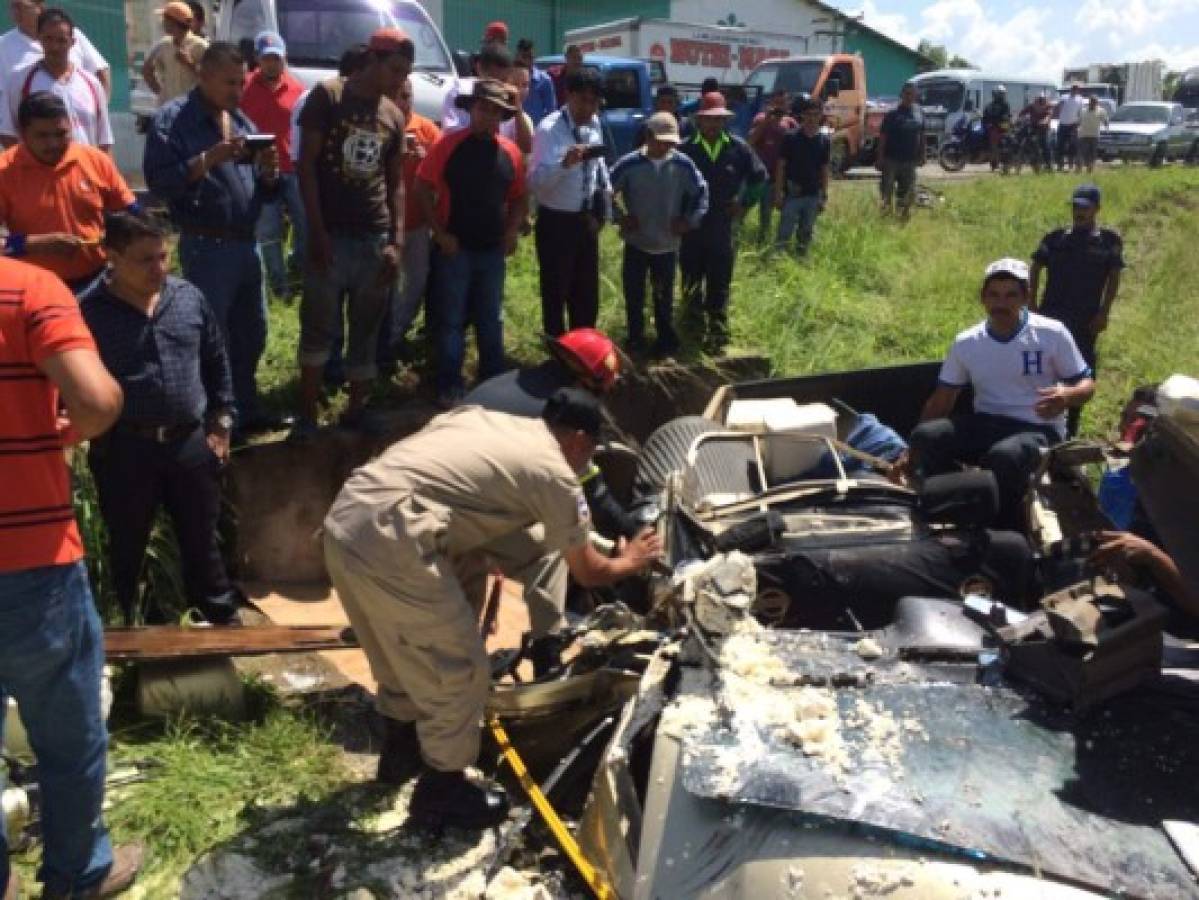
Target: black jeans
[
  {"x": 660, "y": 269},
  {"x": 1080, "y": 329},
  {"x": 1042, "y": 133},
  {"x": 1009, "y": 448},
  {"x": 568, "y": 257},
  {"x": 706, "y": 262},
  {"x": 134, "y": 475}
]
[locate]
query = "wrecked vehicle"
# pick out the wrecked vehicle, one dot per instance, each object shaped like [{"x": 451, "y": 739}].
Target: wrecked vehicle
[{"x": 930, "y": 744}]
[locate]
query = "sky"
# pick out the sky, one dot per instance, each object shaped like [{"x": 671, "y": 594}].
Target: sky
[{"x": 1041, "y": 37}]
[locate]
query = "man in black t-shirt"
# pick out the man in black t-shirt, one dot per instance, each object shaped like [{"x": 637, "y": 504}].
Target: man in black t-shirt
[
  {"x": 471, "y": 188},
  {"x": 801, "y": 177},
  {"x": 1084, "y": 264},
  {"x": 901, "y": 152}
]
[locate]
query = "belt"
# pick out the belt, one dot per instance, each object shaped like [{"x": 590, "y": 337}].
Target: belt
[
  {"x": 160, "y": 434},
  {"x": 219, "y": 234}
]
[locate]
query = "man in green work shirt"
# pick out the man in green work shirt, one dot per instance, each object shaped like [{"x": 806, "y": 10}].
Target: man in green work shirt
[{"x": 735, "y": 178}]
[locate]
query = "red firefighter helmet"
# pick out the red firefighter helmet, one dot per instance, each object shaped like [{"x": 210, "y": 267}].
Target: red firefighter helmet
[{"x": 591, "y": 355}]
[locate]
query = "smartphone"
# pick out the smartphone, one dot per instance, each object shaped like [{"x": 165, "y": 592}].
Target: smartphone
[
  {"x": 595, "y": 151},
  {"x": 256, "y": 142}
]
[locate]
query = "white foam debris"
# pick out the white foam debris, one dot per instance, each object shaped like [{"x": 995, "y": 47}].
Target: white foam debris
[
  {"x": 510, "y": 884},
  {"x": 792, "y": 881},
  {"x": 722, "y": 590},
  {"x": 868, "y": 648},
  {"x": 688, "y": 712},
  {"x": 869, "y": 881}
]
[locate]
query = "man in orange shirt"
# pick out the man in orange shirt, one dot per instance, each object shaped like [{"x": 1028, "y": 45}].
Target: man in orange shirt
[
  {"x": 51, "y": 642},
  {"x": 420, "y": 134},
  {"x": 54, "y": 193},
  {"x": 271, "y": 94}
]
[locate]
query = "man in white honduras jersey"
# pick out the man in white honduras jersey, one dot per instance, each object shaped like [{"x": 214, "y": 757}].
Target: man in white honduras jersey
[{"x": 1025, "y": 371}]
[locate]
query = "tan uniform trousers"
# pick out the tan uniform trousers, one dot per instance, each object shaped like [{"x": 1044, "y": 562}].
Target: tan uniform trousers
[{"x": 418, "y": 623}]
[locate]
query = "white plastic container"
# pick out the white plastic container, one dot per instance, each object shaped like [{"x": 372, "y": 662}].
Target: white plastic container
[
  {"x": 1178, "y": 398},
  {"x": 780, "y": 419}
]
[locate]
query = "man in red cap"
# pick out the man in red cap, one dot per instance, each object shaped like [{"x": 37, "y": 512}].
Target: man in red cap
[
  {"x": 495, "y": 33},
  {"x": 351, "y": 158},
  {"x": 735, "y": 178}
]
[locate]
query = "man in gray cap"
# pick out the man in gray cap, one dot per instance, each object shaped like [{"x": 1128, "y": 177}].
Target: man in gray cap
[{"x": 409, "y": 542}]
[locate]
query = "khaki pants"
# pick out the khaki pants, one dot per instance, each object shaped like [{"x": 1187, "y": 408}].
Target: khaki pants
[{"x": 418, "y": 622}]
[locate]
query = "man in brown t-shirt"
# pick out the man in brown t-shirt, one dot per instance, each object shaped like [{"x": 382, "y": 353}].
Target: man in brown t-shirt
[
  {"x": 351, "y": 151},
  {"x": 403, "y": 542}
]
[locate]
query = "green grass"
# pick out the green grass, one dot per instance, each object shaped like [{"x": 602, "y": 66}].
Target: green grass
[
  {"x": 874, "y": 291},
  {"x": 209, "y": 782}
]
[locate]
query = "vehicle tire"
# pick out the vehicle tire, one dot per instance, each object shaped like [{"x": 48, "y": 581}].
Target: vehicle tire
[
  {"x": 1159, "y": 157},
  {"x": 721, "y": 470},
  {"x": 952, "y": 157}
]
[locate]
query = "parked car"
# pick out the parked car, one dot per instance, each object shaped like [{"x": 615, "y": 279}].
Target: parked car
[
  {"x": 1153, "y": 131},
  {"x": 628, "y": 86},
  {"x": 318, "y": 32}
]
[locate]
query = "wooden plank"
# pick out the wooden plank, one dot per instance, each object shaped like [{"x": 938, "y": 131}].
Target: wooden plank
[{"x": 173, "y": 642}]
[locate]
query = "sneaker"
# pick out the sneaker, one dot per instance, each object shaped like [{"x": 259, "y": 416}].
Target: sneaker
[
  {"x": 399, "y": 760},
  {"x": 450, "y": 800},
  {"x": 126, "y": 863},
  {"x": 303, "y": 431}
]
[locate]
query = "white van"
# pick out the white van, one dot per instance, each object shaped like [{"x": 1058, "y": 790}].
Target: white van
[
  {"x": 945, "y": 95},
  {"x": 317, "y": 32}
]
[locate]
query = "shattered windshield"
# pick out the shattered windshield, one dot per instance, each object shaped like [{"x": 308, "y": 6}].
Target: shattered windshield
[{"x": 979, "y": 771}]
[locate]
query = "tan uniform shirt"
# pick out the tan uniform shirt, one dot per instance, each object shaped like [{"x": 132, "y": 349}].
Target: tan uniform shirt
[
  {"x": 174, "y": 78},
  {"x": 479, "y": 475}
]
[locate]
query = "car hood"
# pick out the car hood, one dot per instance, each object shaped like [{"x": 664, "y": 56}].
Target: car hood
[{"x": 1135, "y": 128}]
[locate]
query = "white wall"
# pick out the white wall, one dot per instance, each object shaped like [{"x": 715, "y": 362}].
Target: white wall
[{"x": 779, "y": 16}]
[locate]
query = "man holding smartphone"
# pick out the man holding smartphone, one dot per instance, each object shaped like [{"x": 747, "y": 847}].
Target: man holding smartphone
[
  {"x": 569, "y": 178},
  {"x": 198, "y": 160}
]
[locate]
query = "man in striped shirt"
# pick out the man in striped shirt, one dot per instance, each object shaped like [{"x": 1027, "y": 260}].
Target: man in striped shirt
[{"x": 51, "y": 644}]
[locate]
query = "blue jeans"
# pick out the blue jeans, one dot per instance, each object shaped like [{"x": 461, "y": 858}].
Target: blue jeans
[
  {"x": 229, "y": 274},
  {"x": 270, "y": 232},
  {"x": 52, "y": 662},
  {"x": 799, "y": 213},
  {"x": 470, "y": 290}
]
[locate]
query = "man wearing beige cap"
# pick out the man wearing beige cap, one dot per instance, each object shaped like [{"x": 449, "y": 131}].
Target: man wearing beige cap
[
  {"x": 659, "y": 196},
  {"x": 172, "y": 64}
]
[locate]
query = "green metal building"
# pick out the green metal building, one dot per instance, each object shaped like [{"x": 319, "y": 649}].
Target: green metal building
[
  {"x": 103, "y": 21},
  {"x": 888, "y": 63}
]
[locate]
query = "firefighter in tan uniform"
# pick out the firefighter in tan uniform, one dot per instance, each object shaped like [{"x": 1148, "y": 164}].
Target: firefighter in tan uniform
[{"x": 407, "y": 544}]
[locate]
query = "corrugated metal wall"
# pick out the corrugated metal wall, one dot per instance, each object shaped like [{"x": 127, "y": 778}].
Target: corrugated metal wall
[
  {"x": 103, "y": 21},
  {"x": 545, "y": 21},
  {"x": 887, "y": 66}
]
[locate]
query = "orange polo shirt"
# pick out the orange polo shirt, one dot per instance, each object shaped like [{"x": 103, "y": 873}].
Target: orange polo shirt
[
  {"x": 71, "y": 197},
  {"x": 426, "y": 134}
]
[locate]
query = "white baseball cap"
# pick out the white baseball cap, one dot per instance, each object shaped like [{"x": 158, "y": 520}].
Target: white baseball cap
[{"x": 1016, "y": 268}]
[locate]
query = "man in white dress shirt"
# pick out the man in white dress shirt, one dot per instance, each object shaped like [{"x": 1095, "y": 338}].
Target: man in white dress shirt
[{"x": 569, "y": 178}]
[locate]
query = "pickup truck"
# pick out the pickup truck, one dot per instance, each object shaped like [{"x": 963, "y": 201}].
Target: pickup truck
[
  {"x": 1154, "y": 131},
  {"x": 628, "y": 86},
  {"x": 840, "y": 81}
]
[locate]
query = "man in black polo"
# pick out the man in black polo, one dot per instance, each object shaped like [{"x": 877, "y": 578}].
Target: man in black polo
[
  {"x": 900, "y": 153},
  {"x": 1083, "y": 264},
  {"x": 160, "y": 339},
  {"x": 198, "y": 160},
  {"x": 735, "y": 178},
  {"x": 801, "y": 177}
]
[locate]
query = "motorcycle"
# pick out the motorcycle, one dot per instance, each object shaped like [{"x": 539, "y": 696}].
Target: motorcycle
[
  {"x": 969, "y": 144},
  {"x": 1023, "y": 147}
]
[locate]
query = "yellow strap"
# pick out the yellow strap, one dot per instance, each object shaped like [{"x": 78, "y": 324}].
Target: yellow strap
[
  {"x": 592, "y": 471},
  {"x": 595, "y": 880}
]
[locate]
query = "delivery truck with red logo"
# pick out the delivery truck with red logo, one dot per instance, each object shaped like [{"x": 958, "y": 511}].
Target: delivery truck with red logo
[{"x": 689, "y": 52}]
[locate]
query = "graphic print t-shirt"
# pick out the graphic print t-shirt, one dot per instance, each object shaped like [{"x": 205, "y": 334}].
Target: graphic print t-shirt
[{"x": 361, "y": 137}]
